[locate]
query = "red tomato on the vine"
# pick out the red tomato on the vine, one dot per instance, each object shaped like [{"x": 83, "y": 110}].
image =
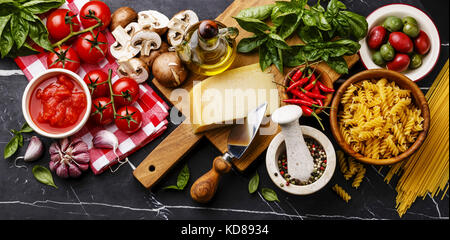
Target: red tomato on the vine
[
  {"x": 128, "y": 119},
  {"x": 64, "y": 57},
  {"x": 59, "y": 22},
  {"x": 125, "y": 90},
  {"x": 97, "y": 81},
  {"x": 102, "y": 112},
  {"x": 98, "y": 9},
  {"x": 92, "y": 47}
]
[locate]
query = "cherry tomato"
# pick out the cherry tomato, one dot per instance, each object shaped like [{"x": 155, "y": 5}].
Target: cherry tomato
[
  {"x": 128, "y": 119},
  {"x": 377, "y": 36},
  {"x": 97, "y": 8},
  {"x": 125, "y": 90},
  {"x": 401, "y": 42},
  {"x": 400, "y": 63},
  {"x": 102, "y": 112},
  {"x": 92, "y": 47},
  {"x": 97, "y": 81},
  {"x": 64, "y": 57},
  {"x": 59, "y": 21},
  {"x": 422, "y": 43}
]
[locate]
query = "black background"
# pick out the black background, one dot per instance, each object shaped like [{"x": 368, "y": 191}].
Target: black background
[{"x": 120, "y": 196}]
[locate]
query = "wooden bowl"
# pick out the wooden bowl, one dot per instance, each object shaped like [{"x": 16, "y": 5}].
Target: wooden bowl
[
  {"x": 324, "y": 78},
  {"x": 403, "y": 82}
]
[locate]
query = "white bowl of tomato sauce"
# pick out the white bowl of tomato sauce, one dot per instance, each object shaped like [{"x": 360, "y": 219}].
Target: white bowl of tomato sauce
[{"x": 56, "y": 103}]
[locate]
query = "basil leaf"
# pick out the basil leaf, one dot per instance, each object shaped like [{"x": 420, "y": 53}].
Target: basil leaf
[
  {"x": 259, "y": 12},
  {"x": 26, "y": 128},
  {"x": 183, "y": 177},
  {"x": 6, "y": 43},
  {"x": 252, "y": 25},
  {"x": 247, "y": 45},
  {"x": 41, "y": 6},
  {"x": 3, "y": 21},
  {"x": 269, "y": 194},
  {"x": 338, "y": 64},
  {"x": 43, "y": 175},
  {"x": 20, "y": 140},
  {"x": 310, "y": 34},
  {"x": 290, "y": 24},
  {"x": 357, "y": 23},
  {"x": 334, "y": 6},
  {"x": 172, "y": 187},
  {"x": 39, "y": 34},
  {"x": 264, "y": 57},
  {"x": 253, "y": 183},
  {"x": 278, "y": 41},
  {"x": 309, "y": 19},
  {"x": 11, "y": 147},
  {"x": 19, "y": 30}
]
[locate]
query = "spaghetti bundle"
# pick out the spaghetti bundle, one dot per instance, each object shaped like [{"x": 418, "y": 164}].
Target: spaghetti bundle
[{"x": 427, "y": 170}]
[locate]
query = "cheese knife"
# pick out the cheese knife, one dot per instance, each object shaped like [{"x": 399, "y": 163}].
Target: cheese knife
[{"x": 239, "y": 139}]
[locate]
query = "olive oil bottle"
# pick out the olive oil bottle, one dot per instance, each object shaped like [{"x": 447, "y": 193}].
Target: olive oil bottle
[{"x": 208, "y": 47}]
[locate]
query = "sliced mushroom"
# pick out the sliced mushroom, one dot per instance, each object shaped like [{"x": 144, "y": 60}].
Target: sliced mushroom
[
  {"x": 122, "y": 17},
  {"x": 153, "y": 20},
  {"x": 146, "y": 40},
  {"x": 134, "y": 68},
  {"x": 122, "y": 48},
  {"x": 133, "y": 28},
  {"x": 179, "y": 24}
]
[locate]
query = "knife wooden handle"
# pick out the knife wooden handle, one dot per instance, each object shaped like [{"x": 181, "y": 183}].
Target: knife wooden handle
[{"x": 205, "y": 187}]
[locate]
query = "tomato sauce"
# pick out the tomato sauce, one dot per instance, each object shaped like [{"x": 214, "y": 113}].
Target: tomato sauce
[{"x": 58, "y": 104}]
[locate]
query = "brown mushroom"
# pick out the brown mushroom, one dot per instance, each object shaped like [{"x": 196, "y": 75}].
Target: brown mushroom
[
  {"x": 122, "y": 17},
  {"x": 169, "y": 70},
  {"x": 134, "y": 68},
  {"x": 154, "y": 54}
]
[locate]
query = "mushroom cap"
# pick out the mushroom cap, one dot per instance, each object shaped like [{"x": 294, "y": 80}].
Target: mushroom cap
[
  {"x": 179, "y": 24},
  {"x": 169, "y": 70},
  {"x": 122, "y": 17},
  {"x": 133, "y": 28},
  {"x": 134, "y": 68},
  {"x": 146, "y": 40},
  {"x": 153, "y": 20}
]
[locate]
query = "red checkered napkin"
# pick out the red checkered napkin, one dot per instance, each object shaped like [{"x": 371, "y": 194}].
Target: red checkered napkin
[{"x": 154, "y": 110}]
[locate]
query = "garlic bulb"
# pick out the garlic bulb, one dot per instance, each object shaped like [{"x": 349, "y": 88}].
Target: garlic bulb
[{"x": 69, "y": 158}]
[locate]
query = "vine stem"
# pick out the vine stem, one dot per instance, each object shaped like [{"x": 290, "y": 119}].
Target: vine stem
[
  {"x": 111, "y": 92},
  {"x": 72, "y": 34}
]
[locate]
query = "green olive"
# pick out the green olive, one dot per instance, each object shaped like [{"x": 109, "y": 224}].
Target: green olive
[
  {"x": 387, "y": 52},
  {"x": 411, "y": 30},
  {"x": 378, "y": 59},
  {"x": 416, "y": 61},
  {"x": 410, "y": 20},
  {"x": 393, "y": 24}
]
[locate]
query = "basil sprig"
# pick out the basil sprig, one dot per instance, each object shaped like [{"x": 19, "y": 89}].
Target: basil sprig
[
  {"x": 16, "y": 141},
  {"x": 19, "y": 23},
  {"x": 315, "y": 25},
  {"x": 182, "y": 180}
]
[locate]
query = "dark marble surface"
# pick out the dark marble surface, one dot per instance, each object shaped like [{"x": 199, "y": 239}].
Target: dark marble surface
[{"x": 120, "y": 196}]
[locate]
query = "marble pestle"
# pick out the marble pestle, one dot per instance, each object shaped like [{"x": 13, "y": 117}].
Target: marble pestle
[{"x": 299, "y": 160}]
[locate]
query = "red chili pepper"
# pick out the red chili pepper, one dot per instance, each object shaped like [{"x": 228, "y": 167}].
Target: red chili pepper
[
  {"x": 301, "y": 102},
  {"x": 296, "y": 84},
  {"x": 325, "y": 88},
  {"x": 303, "y": 96},
  {"x": 306, "y": 110},
  {"x": 313, "y": 95},
  {"x": 312, "y": 83},
  {"x": 297, "y": 75},
  {"x": 316, "y": 90}
]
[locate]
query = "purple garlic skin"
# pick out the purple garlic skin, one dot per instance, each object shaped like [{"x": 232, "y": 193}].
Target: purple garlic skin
[
  {"x": 69, "y": 158},
  {"x": 35, "y": 150}
]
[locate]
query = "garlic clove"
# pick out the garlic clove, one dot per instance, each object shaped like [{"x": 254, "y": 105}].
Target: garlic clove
[
  {"x": 54, "y": 148},
  {"x": 34, "y": 150},
  {"x": 81, "y": 157},
  {"x": 105, "y": 139},
  {"x": 53, "y": 165},
  {"x": 83, "y": 167},
  {"x": 80, "y": 147},
  {"x": 64, "y": 143},
  {"x": 62, "y": 171},
  {"x": 74, "y": 171}
]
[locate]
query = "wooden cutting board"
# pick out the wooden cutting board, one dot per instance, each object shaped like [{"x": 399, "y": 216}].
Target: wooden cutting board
[{"x": 182, "y": 139}]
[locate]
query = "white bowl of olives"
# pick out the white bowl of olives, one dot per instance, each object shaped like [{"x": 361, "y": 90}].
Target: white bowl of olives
[{"x": 402, "y": 38}]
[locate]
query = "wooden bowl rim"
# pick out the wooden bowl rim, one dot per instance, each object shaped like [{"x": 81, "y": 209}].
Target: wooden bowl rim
[
  {"x": 324, "y": 78},
  {"x": 417, "y": 96}
]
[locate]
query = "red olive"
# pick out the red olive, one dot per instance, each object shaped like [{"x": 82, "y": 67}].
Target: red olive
[
  {"x": 377, "y": 36},
  {"x": 400, "y": 63},
  {"x": 401, "y": 42},
  {"x": 422, "y": 43}
]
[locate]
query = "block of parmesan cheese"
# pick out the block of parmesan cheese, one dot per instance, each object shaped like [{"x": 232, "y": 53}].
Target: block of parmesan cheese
[{"x": 226, "y": 98}]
